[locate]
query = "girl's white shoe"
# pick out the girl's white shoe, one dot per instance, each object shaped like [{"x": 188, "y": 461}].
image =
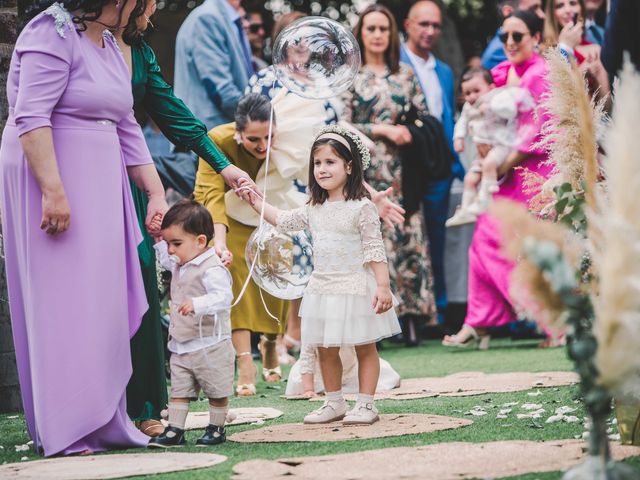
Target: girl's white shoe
[
  {"x": 362, "y": 414},
  {"x": 327, "y": 413}
]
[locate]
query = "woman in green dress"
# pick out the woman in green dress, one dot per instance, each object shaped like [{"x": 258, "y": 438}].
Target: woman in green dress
[{"x": 147, "y": 389}]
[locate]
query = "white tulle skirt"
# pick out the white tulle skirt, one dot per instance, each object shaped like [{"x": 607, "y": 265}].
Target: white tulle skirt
[{"x": 332, "y": 320}]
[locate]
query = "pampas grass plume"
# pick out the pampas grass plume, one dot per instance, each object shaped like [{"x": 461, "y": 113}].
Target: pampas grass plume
[{"x": 617, "y": 325}]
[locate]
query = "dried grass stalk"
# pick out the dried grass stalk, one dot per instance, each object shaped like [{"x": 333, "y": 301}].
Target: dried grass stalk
[
  {"x": 570, "y": 135},
  {"x": 617, "y": 326}
]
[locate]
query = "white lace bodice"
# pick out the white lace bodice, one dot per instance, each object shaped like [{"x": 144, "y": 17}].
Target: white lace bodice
[{"x": 346, "y": 237}]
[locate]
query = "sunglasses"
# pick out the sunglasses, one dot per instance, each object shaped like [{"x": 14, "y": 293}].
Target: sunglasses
[
  {"x": 256, "y": 27},
  {"x": 516, "y": 36}
]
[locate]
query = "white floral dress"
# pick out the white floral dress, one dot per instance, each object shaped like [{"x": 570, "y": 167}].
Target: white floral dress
[{"x": 337, "y": 309}]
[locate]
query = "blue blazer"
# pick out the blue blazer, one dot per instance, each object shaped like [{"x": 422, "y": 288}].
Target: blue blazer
[
  {"x": 445, "y": 76},
  {"x": 210, "y": 70}
]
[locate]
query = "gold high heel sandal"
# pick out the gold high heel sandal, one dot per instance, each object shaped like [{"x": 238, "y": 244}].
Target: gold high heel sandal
[
  {"x": 245, "y": 389},
  {"x": 481, "y": 342},
  {"x": 268, "y": 374}
]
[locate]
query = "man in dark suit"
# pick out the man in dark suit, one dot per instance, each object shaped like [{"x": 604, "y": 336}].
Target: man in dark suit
[{"x": 423, "y": 26}]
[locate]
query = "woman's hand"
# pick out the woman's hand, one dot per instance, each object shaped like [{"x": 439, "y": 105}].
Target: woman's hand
[
  {"x": 458, "y": 145},
  {"x": 56, "y": 214},
  {"x": 391, "y": 213},
  {"x": 571, "y": 34},
  {"x": 156, "y": 208},
  {"x": 591, "y": 53},
  {"x": 396, "y": 134},
  {"x": 382, "y": 301},
  {"x": 232, "y": 175},
  {"x": 223, "y": 252}
]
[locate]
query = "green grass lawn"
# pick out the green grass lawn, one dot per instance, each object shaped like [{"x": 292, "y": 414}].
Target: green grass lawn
[{"x": 429, "y": 360}]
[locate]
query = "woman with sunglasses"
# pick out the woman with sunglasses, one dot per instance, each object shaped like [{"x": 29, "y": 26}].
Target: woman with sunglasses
[
  {"x": 489, "y": 303},
  {"x": 147, "y": 389},
  {"x": 564, "y": 28}
]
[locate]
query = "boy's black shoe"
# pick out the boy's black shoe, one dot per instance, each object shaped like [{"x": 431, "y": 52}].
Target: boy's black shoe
[
  {"x": 213, "y": 435},
  {"x": 171, "y": 437}
]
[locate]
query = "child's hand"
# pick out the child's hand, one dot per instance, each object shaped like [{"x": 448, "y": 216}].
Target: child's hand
[
  {"x": 186, "y": 308},
  {"x": 248, "y": 191},
  {"x": 155, "y": 224},
  {"x": 382, "y": 301},
  {"x": 458, "y": 145}
]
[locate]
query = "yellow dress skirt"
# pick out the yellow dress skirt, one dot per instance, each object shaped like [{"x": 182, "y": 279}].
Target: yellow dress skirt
[{"x": 250, "y": 314}]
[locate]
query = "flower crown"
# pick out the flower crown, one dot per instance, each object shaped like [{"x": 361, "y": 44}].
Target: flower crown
[{"x": 354, "y": 137}]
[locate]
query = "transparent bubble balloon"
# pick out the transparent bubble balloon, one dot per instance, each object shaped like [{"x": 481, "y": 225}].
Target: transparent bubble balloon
[
  {"x": 316, "y": 57},
  {"x": 284, "y": 263}
]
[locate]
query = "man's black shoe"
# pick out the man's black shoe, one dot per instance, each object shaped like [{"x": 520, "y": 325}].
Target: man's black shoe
[
  {"x": 213, "y": 435},
  {"x": 171, "y": 437}
]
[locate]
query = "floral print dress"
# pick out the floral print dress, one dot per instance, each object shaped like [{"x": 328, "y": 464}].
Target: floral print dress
[{"x": 374, "y": 99}]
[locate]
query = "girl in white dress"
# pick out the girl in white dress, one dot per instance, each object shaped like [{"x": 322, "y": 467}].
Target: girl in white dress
[{"x": 347, "y": 300}]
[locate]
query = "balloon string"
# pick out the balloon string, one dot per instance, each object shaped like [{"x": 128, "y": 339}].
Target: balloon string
[{"x": 261, "y": 221}]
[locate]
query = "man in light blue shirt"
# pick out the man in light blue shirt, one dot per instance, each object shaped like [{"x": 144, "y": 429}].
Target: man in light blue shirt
[
  {"x": 494, "y": 53},
  {"x": 593, "y": 32},
  {"x": 213, "y": 61}
]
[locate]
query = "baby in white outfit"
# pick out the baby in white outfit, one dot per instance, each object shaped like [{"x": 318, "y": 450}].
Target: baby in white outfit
[{"x": 489, "y": 116}]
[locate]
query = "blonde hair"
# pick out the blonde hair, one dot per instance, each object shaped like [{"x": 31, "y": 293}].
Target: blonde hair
[{"x": 552, "y": 27}]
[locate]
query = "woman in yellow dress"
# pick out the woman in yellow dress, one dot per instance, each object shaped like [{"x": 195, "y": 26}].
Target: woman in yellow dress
[{"x": 244, "y": 143}]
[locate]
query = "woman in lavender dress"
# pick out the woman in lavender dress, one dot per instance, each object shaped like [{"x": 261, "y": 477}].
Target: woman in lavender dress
[{"x": 70, "y": 229}]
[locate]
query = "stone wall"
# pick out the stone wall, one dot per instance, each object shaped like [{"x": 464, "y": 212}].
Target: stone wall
[{"x": 9, "y": 388}]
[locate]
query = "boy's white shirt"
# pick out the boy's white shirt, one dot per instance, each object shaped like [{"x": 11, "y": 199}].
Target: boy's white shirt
[{"x": 219, "y": 296}]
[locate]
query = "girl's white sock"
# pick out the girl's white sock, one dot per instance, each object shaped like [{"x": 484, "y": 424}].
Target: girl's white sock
[
  {"x": 335, "y": 397},
  {"x": 218, "y": 415},
  {"x": 178, "y": 414},
  {"x": 364, "y": 398}
]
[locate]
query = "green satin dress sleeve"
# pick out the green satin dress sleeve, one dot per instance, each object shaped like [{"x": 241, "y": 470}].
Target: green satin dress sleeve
[{"x": 175, "y": 120}]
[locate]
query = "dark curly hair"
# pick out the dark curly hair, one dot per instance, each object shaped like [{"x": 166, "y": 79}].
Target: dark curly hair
[
  {"x": 91, "y": 11},
  {"x": 132, "y": 35}
]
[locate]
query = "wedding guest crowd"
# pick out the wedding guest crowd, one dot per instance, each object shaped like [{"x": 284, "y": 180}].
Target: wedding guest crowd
[{"x": 83, "y": 204}]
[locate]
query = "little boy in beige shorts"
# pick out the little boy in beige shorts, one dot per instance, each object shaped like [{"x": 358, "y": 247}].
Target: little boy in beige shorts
[{"x": 200, "y": 328}]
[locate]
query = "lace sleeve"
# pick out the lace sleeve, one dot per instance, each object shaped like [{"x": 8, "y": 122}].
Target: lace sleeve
[
  {"x": 370, "y": 234},
  {"x": 292, "y": 220},
  {"x": 307, "y": 360}
]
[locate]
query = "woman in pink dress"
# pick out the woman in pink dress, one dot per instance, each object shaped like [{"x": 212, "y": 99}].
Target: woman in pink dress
[
  {"x": 70, "y": 228},
  {"x": 489, "y": 302}
]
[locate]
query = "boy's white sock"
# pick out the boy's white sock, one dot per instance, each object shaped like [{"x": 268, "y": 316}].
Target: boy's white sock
[
  {"x": 178, "y": 414},
  {"x": 218, "y": 415},
  {"x": 364, "y": 398},
  {"x": 335, "y": 397}
]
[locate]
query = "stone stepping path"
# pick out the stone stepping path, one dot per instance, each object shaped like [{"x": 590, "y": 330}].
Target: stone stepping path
[
  {"x": 470, "y": 383},
  {"x": 443, "y": 461},
  {"x": 258, "y": 415},
  {"x": 108, "y": 466},
  {"x": 390, "y": 425}
]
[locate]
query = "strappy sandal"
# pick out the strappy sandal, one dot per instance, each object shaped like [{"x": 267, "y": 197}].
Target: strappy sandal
[
  {"x": 245, "y": 389},
  {"x": 481, "y": 342},
  {"x": 151, "y": 428},
  {"x": 268, "y": 374}
]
